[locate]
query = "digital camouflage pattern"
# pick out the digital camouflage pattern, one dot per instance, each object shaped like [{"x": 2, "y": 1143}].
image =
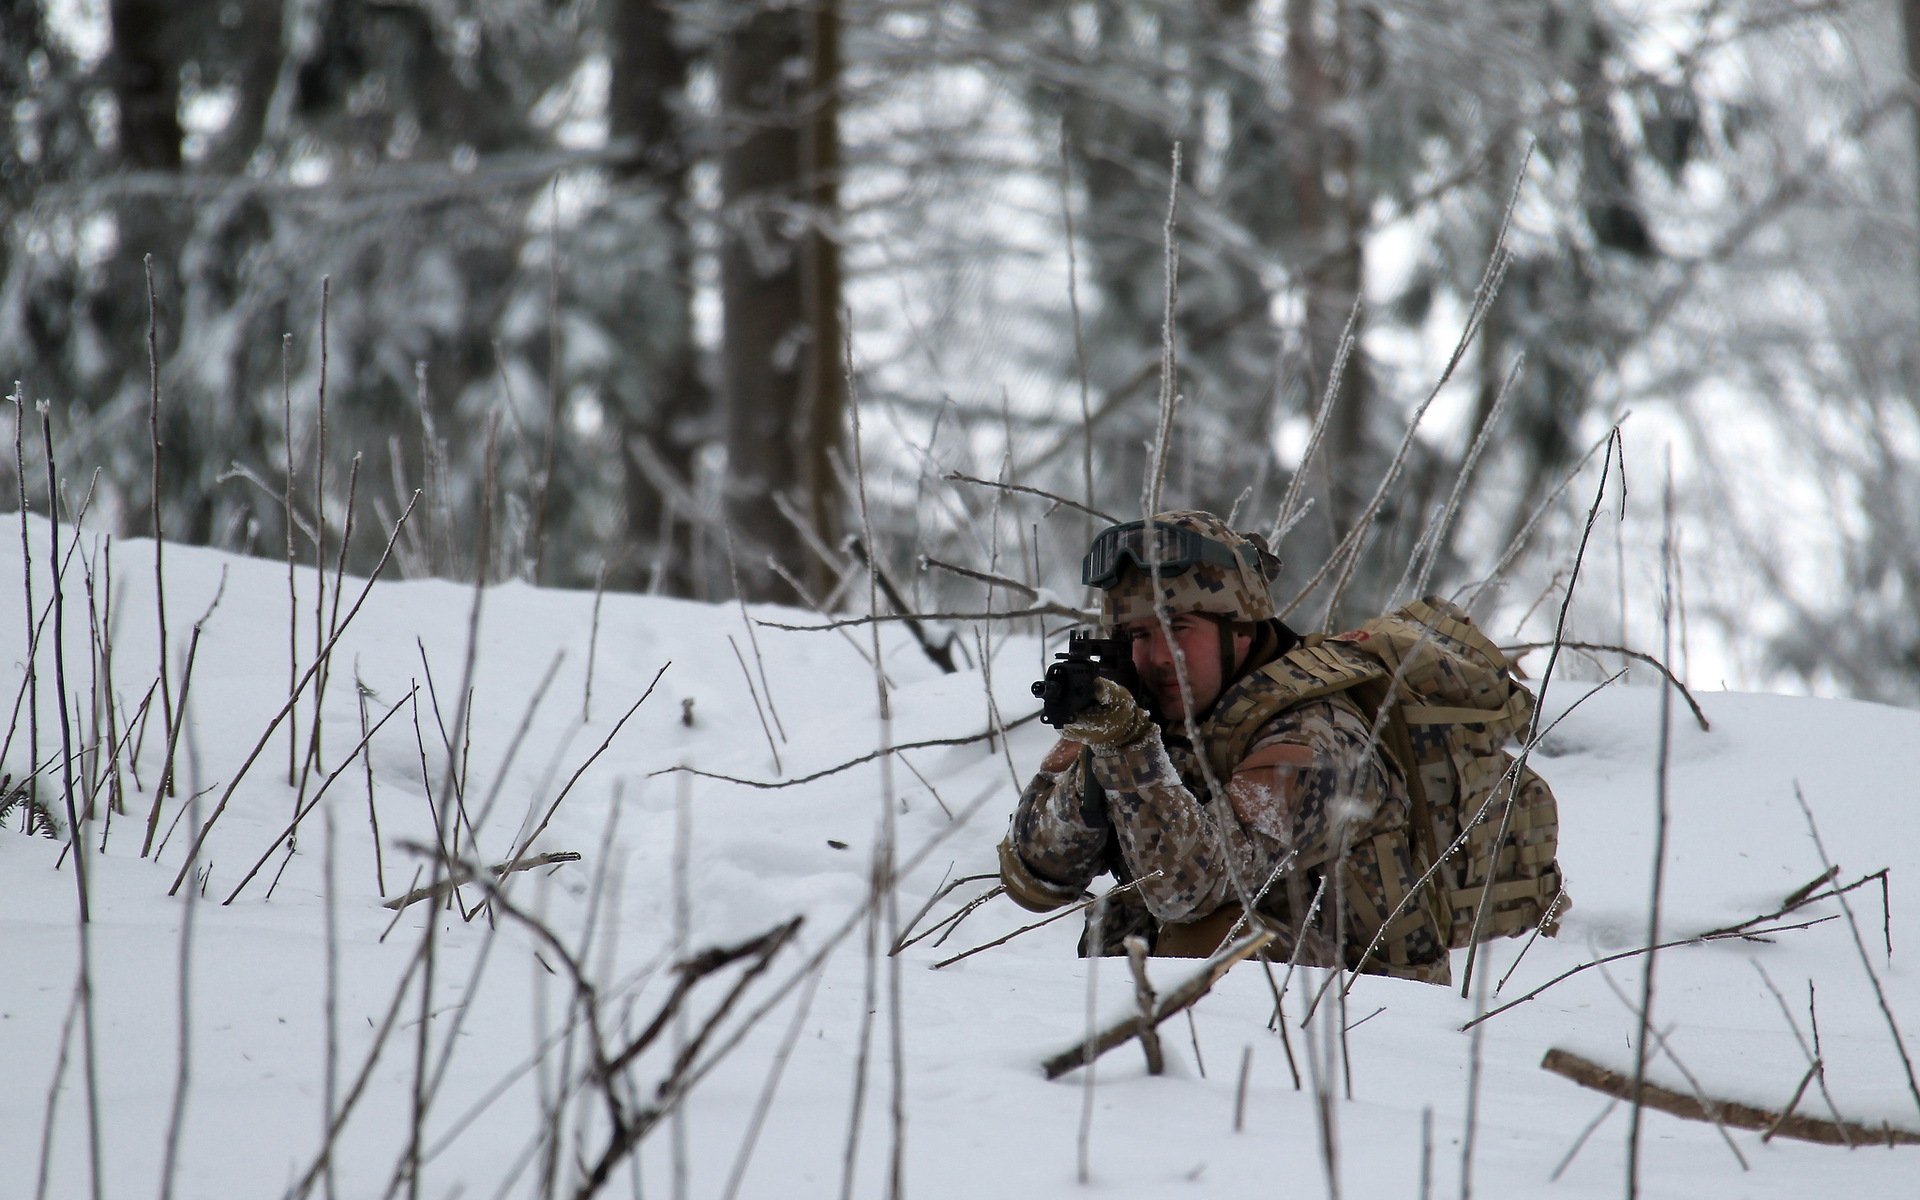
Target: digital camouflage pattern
[
  {"x": 1241, "y": 594},
  {"x": 1306, "y": 794}
]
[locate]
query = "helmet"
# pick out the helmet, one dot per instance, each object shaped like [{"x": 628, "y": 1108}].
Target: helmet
[{"x": 1203, "y": 566}]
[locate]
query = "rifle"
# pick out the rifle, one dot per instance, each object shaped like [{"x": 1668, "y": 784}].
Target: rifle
[{"x": 1068, "y": 688}]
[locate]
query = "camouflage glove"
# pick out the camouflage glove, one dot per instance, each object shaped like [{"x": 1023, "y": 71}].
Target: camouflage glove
[{"x": 1115, "y": 719}]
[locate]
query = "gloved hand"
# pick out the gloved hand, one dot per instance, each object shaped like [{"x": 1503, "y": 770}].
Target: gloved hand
[{"x": 1115, "y": 720}]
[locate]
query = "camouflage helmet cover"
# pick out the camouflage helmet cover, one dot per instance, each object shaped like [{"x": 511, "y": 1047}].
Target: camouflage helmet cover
[{"x": 1238, "y": 593}]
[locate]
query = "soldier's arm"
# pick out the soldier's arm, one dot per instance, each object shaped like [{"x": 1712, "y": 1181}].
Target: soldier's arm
[
  {"x": 1313, "y": 778},
  {"x": 1058, "y": 838},
  {"x": 1308, "y": 769}
]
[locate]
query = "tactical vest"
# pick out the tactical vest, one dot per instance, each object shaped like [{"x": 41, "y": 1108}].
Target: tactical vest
[{"x": 1451, "y": 705}]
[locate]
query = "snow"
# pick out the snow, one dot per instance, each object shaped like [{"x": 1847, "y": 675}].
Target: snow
[{"x": 979, "y": 1118}]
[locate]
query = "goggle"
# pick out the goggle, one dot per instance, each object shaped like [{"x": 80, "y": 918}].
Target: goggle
[{"x": 1152, "y": 545}]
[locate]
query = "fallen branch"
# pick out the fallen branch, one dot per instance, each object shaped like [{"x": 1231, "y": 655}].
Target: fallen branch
[
  {"x": 460, "y": 874},
  {"x": 1608, "y": 1082},
  {"x": 1180, "y": 998}
]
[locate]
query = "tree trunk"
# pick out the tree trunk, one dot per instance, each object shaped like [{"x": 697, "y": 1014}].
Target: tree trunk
[
  {"x": 771, "y": 252},
  {"x": 661, "y": 431},
  {"x": 826, "y": 382},
  {"x": 1324, "y": 162}
]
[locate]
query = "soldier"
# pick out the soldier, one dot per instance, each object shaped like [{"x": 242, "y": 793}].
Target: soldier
[{"x": 1233, "y": 785}]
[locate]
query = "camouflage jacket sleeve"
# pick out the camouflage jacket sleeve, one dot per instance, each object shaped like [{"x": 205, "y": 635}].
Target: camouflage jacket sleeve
[
  {"x": 1308, "y": 780},
  {"x": 1060, "y": 836}
]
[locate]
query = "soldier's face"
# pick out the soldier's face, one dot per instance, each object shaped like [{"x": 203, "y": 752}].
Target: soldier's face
[{"x": 1196, "y": 643}]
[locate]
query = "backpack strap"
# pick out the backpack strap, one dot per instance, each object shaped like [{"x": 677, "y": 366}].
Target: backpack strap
[{"x": 1316, "y": 669}]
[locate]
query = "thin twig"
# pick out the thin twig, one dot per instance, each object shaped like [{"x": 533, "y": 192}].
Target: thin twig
[
  {"x": 286, "y": 708},
  {"x": 845, "y": 766},
  {"x": 1023, "y": 489},
  {"x": 1866, "y": 960}
]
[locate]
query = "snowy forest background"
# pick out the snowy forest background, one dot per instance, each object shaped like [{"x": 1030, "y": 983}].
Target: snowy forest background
[{"x": 610, "y": 284}]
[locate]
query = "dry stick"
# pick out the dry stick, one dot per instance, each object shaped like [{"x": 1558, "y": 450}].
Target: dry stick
[
  {"x": 1468, "y": 597},
  {"x": 1580, "y": 1142},
  {"x": 851, "y": 763},
  {"x": 521, "y": 849},
  {"x": 829, "y": 944},
  {"x": 76, "y": 841},
  {"x": 1169, "y": 363},
  {"x": 1589, "y": 1074},
  {"x": 201, "y": 838},
  {"x": 519, "y": 735},
  {"x": 159, "y": 544},
  {"x": 459, "y": 875},
  {"x": 177, "y": 1115},
  {"x": 1062, "y": 914},
  {"x": 1659, "y": 1037},
  {"x": 32, "y": 681},
  {"x": 1023, "y": 489},
  {"x": 593, "y": 642},
  {"x": 760, "y": 712},
  {"x": 1077, "y": 616},
  {"x": 1793, "y": 1102},
  {"x": 1143, "y": 996},
  {"x": 186, "y": 685},
  {"x": 941, "y": 655},
  {"x": 1546, "y": 918},
  {"x": 945, "y": 889},
  {"x": 1695, "y": 940},
  {"x": 1096, "y": 937},
  {"x": 293, "y": 593},
  {"x": 1812, "y": 1053},
  {"x": 1489, "y": 288},
  {"x": 1511, "y": 783},
  {"x": 1819, "y": 1055},
  {"x": 886, "y": 913},
  {"x": 987, "y": 577},
  {"x": 1866, "y": 960},
  {"x": 325, "y": 677},
  {"x": 774, "y": 1071},
  {"x": 1291, "y": 511},
  {"x": 373, "y": 815},
  {"x": 1664, "y": 761},
  {"x": 330, "y": 1080},
  {"x": 753, "y": 639},
  {"x": 1436, "y": 533},
  {"x": 1188, "y": 992},
  {"x": 286, "y": 835},
  {"x": 553, "y": 381},
  {"x": 1699, "y": 715},
  {"x": 347, "y": 1105},
  {"x": 320, "y": 641},
  {"x": 1079, "y": 333},
  {"x": 1240, "y": 1089},
  {"x": 952, "y": 924},
  {"x": 53, "y": 1095}
]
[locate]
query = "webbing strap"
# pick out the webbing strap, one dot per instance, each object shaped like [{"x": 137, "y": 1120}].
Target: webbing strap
[
  {"x": 1447, "y": 625},
  {"x": 1513, "y": 712}
]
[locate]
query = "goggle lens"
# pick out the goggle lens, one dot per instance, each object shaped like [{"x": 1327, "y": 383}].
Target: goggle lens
[{"x": 1171, "y": 549}]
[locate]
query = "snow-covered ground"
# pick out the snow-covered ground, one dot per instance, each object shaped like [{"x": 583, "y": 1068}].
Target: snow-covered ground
[{"x": 950, "y": 1079}]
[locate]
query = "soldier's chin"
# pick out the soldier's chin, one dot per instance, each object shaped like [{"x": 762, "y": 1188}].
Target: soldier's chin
[{"x": 1168, "y": 701}]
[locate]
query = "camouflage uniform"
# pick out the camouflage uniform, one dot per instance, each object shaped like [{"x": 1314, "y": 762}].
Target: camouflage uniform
[{"x": 1311, "y": 795}]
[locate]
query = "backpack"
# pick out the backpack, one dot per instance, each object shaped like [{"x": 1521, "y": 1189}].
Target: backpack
[{"x": 1452, "y": 705}]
